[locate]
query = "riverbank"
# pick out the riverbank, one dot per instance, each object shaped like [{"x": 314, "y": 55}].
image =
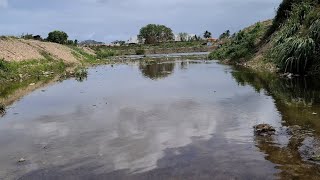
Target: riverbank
[{"x": 287, "y": 44}]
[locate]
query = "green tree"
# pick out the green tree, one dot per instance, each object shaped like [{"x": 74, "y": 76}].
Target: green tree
[
  {"x": 226, "y": 34},
  {"x": 58, "y": 37},
  {"x": 154, "y": 33},
  {"x": 207, "y": 34},
  {"x": 183, "y": 36}
]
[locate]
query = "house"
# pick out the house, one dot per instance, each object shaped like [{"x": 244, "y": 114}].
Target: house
[
  {"x": 211, "y": 41},
  {"x": 188, "y": 37},
  {"x": 133, "y": 40}
]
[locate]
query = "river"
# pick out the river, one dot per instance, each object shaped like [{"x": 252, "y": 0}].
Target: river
[{"x": 188, "y": 119}]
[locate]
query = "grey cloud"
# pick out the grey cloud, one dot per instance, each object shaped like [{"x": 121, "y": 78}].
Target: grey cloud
[{"x": 109, "y": 20}]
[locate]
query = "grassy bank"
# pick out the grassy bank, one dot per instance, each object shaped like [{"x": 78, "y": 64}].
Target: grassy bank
[
  {"x": 290, "y": 42},
  {"x": 160, "y": 48}
]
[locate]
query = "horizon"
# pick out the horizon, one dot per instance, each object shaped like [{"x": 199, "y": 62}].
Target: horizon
[{"x": 109, "y": 20}]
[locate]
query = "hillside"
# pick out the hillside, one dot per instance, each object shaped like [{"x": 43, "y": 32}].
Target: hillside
[
  {"x": 290, "y": 43},
  {"x": 14, "y": 49}
]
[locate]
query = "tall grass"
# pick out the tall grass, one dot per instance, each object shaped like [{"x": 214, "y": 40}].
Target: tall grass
[
  {"x": 314, "y": 30},
  {"x": 105, "y": 53},
  {"x": 295, "y": 45},
  {"x": 295, "y": 54}
]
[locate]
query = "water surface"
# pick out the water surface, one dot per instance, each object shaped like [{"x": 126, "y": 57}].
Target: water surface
[{"x": 169, "y": 120}]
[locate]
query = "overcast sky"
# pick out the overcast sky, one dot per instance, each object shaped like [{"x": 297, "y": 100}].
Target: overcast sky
[{"x": 108, "y": 20}]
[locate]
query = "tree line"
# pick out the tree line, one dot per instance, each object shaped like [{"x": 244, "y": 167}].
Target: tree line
[
  {"x": 155, "y": 33},
  {"x": 56, "y": 36}
]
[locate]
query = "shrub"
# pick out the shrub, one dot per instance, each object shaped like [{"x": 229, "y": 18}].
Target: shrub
[
  {"x": 154, "y": 33},
  {"x": 105, "y": 53},
  {"x": 295, "y": 54},
  {"x": 81, "y": 74},
  {"x": 140, "y": 52},
  {"x": 3, "y": 65},
  {"x": 58, "y": 37}
]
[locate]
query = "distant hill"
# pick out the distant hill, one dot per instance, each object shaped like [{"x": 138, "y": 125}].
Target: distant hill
[{"x": 90, "y": 42}]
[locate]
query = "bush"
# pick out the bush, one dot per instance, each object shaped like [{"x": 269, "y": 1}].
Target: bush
[
  {"x": 295, "y": 46},
  {"x": 81, "y": 74},
  {"x": 58, "y": 37},
  {"x": 295, "y": 54},
  {"x": 240, "y": 46},
  {"x": 105, "y": 53},
  {"x": 140, "y": 52},
  {"x": 4, "y": 65}
]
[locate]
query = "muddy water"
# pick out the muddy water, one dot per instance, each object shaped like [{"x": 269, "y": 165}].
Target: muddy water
[{"x": 173, "y": 120}]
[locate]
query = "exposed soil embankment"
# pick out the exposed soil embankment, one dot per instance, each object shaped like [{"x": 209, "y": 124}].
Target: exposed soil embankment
[{"x": 12, "y": 49}]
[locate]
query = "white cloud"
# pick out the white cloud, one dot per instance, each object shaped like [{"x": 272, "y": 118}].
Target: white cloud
[{"x": 3, "y": 3}]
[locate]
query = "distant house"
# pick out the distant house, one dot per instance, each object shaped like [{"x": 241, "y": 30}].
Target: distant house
[
  {"x": 211, "y": 41},
  {"x": 133, "y": 40},
  {"x": 188, "y": 37}
]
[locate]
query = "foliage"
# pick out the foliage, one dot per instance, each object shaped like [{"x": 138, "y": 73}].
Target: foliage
[
  {"x": 207, "y": 34},
  {"x": 154, "y": 33},
  {"x": 241, "y": 45},
  {"x": 294, "y": 54},
  {"x": 27, "y": 36},
  {"x": 121, "y": 43},
  {"x": 81, "y": 74},
  {"x": 224, "y": 35},
  {"x": 12, "y": 71},
  {"x": 58, "y": 37},
  {"x": 140, "y": 52},
  {"x": 296, "y": 44},
  {"x": 183, "y": 36},
  {"x": 105, "y": 53}
]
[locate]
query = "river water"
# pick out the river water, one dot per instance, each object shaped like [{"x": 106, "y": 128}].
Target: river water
[{"x": 168, "y": 120}]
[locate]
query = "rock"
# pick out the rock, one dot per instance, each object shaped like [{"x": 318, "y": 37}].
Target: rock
[
  {"x": 21, "y": 160},
  {"x": 32, "y": 84},
  {"x": 314, "y": 158},
  {"x": 264, "y": 130}
]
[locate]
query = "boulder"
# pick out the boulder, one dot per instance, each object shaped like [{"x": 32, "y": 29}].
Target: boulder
[{"x": 264, "y": 130}]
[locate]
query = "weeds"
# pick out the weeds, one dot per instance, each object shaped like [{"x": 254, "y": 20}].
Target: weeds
[
  {"x": 105, "y": 53},
  {"x": 295, "y": 45},
  {"x": 295, "y": 54},
  {"x": 140, "y": 52},
  {"x": 81, "y": 74}
]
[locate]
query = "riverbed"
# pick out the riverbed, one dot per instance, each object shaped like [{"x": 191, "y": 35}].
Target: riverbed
[{"x": 190, "y": 119}]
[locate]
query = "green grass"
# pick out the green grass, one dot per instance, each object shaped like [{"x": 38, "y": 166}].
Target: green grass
[
  {"x": 241, "y": 46},
  {"x": 13, "y": 71},
  {"x": 105, "y": 53},
  {"x": 140, "y": 52},
  {"x": 295, "y": 46}
]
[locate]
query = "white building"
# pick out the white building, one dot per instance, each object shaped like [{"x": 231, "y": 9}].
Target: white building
[
  {"x": 133, "y": 40},
  {"x": 188, "y": 37}
]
